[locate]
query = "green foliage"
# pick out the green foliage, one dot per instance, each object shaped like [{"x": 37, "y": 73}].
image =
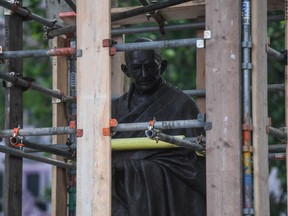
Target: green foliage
[{"x": 37, "y": 106}]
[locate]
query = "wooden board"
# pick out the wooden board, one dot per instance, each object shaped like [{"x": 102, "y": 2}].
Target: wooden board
[
  {"x": 275, "y": 5},
  {"x": 223, "y": 145},
  {"x": 259, "y": 108},
  {"x": 59, "y": 181},
  {"x": 117, "y": 75},
  {"x": 184, "y": 11},
  {"x": 93, "y": 108},
  {"x": 187, "y": 10},
  {"x": 201, "y": 76}
]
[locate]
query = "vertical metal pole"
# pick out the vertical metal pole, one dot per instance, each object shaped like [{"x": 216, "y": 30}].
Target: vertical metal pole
[
  {"x": 72, "y": 86},
  {"x": 73, "y": 112},
  {"x": 246, "y": 116},
  {"x": 13, "y": 116},
  {"x": 286, "y": 88}
]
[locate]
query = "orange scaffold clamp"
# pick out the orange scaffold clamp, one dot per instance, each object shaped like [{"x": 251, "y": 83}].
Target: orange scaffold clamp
[{"x": 15, "y": 140}]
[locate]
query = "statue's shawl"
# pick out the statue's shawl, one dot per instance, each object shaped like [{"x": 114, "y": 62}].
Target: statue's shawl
[
  {"x": 168, "y": 103},
  {"x": 158, "y": 182}
]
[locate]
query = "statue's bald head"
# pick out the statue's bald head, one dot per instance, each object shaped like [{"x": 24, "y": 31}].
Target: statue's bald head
[
  {"x": 157, "y": 52},
  {"x": 144, "y": 67}
]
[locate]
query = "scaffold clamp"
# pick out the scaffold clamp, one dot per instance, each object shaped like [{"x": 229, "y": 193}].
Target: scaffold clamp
[
  {"x": 15, "y": 139},
  {"x": 107, "y": 131},
  {"x": 109, "y": 43}
]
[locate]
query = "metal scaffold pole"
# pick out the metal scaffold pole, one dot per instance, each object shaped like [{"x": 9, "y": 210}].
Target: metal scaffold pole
[
  {"x": 21, "y": 154},
  {"x": 37, "y": 53},
  {"x": 39, "y": 131},
  {"x": 130, "y": 30},
  {"x": 41, "y": 147},
  {"x": 246, "y": 115},
  {"x": 156, "y": 44},
  {"x": 16, "y": 8},
  {"x": 13, "y": 116},
  {"x": 148, "y": 8},
  {"x": 286, "y": 88},
  {"x": 27, "y": 84}
]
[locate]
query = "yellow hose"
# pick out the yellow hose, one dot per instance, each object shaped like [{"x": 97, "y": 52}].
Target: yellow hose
[{"x": 140, "y": 143}]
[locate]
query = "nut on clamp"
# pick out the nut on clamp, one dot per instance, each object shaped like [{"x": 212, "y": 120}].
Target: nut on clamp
[{"x": 109, "y": 43}]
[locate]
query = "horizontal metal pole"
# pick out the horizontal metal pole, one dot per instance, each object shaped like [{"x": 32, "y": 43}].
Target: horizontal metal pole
[
  {"x": 277, "y": 156},
  {"x": 202, "y": 92},
  {"x": 145, "y": 9},
  {"x": 19, "y": 153},
  {"x": 41, "y": 147},
  {"x": 274, "y": 54},
  {"x": 276, "y": 17},
  {"x": 27, "y": 14},
  {"x": 127, "y": 144},
  {"x": 37, "y": 53},
  {"x": 39, "y": 131},
  {"x": 28, "y": 84},
  {"x": 276, "y": 133},
  {"x": 153, "y": 134},
  {"x": 276, "y": 87},
  {"x": 56, "y": 146},
  {"x": 155, "y": 44},
  {"x": 135, "y": 30},
  {"x": 278, "y": 148},
  {"x": 195, "y": 92},
  {"x": 61, "y": 31},
  {"x": 161, "y": 125},
  {"x": 120, "y": 31}
]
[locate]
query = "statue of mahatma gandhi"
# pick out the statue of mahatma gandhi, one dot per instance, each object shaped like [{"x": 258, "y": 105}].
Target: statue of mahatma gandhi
[{"x": 155, "y": 182}]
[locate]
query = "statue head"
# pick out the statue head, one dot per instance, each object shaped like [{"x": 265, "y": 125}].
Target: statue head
[{"x": 144, "y": 67}]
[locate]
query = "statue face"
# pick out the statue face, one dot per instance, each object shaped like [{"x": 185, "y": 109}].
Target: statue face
[{"x": 145, "y": 70}]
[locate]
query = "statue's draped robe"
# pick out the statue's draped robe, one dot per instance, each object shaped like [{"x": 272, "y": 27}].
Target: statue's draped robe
[{"x": 161, "y": 182}]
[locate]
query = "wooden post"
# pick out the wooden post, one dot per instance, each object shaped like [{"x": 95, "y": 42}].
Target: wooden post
[
  {"x": 224, "y": 179},
  {"x": 201, "y": 76},
  {"x": 259, "y": 108},
  {"x": 59, "y": 181},
  {"x": 13, "y": 116},
  {"x": 93, "y": 109},
  {"x": 117, "y": 76}
]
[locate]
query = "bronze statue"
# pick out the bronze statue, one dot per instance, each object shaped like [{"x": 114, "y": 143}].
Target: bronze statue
[{"x": 156, "y": 182}]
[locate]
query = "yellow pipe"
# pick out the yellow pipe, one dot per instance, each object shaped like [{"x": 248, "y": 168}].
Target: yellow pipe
[{"x": 140, "y": 143}]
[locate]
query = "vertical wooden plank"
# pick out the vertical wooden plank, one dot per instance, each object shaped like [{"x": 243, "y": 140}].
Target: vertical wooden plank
[
  {"x": 59, "y": 181},
  {"x": 13, "y": 117},
  {"x": 117, "y": 76},
  {"x": 117, "y": 79},
  {"x": 93, "y": 109},
  {"x": 201, "y": 76},
  {"x": 224, "y": 180},
  {"x": 259, "y": 108}
]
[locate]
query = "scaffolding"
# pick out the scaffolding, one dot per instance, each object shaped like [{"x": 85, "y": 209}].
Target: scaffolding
[{"x": 237, "y": 135}]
